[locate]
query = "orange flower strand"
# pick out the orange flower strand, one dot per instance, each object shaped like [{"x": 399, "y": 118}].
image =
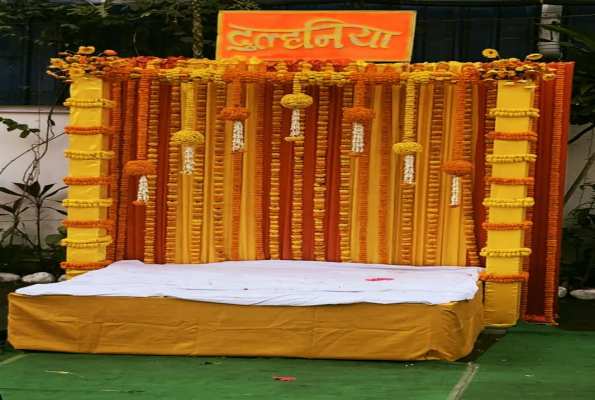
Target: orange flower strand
[
  {"x": 85, "y": 266},
  {"x": 140, "y": 167},
  {"x": 530, "y": 136},
  {"x": 102, "y": 224},
  {"x": 506, "y": 226},
  {"x": 91, "y": 130},
  {"x": 509, "y": 181},
  {"x": 234, "y": 113},
  {"x": 88, "y": 180}
]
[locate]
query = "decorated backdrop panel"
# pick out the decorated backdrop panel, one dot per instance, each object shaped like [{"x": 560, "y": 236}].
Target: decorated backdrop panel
[{"x": 424, "y": 164}]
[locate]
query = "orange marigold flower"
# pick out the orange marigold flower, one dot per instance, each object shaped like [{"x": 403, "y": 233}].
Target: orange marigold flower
[
  {"x": 534, "y": 56},
  {"x": 76, "y": 72},
  {"x": 110, "y": 53}
]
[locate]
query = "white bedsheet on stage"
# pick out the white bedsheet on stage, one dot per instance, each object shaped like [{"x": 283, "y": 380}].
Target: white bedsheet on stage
[{"x": 273, "y": 283}]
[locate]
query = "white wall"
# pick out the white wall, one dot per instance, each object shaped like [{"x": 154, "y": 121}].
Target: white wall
[{"x": 54, "y": 166}]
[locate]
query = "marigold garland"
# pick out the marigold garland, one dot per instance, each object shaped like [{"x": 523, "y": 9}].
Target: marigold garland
[
  {"x": 189, "y": 137},
  {"x": 511, "y": 158},
  {"x": 359, "y": 116},
  {"x": 509, "y": 181},
  {"x": 514, "y": 112},
  {"x": 320, "y": 189},
  {"x": 90, "y": 103},
  {"x": 526, "y": 202},
  {"x": 275, "y": 192},
  {"x": 554, "y": 215},
  {"x": 153, "y": 157},
  {"x": 296, "y": 102},
  {"x": 258, "y": 172},
  {"x": 408, "y": 147},
  {"x": 519, "y": 252},
  {"x": 237, "y": 114},
  {"x": 86, "y": 203},
  {"x": 523, "y": 277},
  {"x": 433, "y": 197},
  {"x": 90, "y": 130},
  {"x": 88, "y": 180},
  {"x": 100, "y": 224},
  {"x": 85, "y": 266},
  {"x": 198, "y": 179},
  {"x": 489, "y": 126},
  {"x": 385, "y": 130},
  {"x": 126, "y": 155},
  {"x": 88, "y": 155},
  {"x": 218, "y": 177},
  {"x": 140, "y": 167},
  {"x": 345, "y": 181},
  {"x": 530, "y": 136},
  {"x": 173, "y": 176},
  {"x": 363, "y": 173},
  {"x": 506, "y": 226},
  {"x": 87, "y": 243},
  {"x": 114, "y": 165}
]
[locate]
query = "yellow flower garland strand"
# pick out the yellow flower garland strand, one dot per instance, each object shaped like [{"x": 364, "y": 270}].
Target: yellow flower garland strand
[
  {"x": 409, "y": 147},
  {"x": 275, "y": 192},
  {"x": 511, "y": 158},
  {"x": 173, "y": 175},
  {"x": 345, "y": 185},
  {"x": 153, "y": 157},
  {"x": 435, "y": 151},
  {"x": 490, "y": 125},
  {"x": 218, "y": 175},
  {"x": 88, "y": 155},
  {"x": 514, "y": 112},
  {"x": 258, "y": 172},
  {"x": 198, "y": 178},
  {"x": 86, "y": 203},
  {"x": 91, "y": 103},
  {"x": 297, "y": 209},
  {"x": 510, "y": 203},
  {"x": 319, "y": 209},
  {"x": 87, "y": 243},
  {"x": 519, "y": 252}
]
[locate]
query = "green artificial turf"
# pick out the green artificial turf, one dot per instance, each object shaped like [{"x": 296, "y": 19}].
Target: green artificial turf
[
  {"x": 536, "y": 362},
  {"x": 82, "y": 377}
]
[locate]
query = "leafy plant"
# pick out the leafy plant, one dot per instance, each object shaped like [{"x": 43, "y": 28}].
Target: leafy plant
[{"x": 16, "y": 245}]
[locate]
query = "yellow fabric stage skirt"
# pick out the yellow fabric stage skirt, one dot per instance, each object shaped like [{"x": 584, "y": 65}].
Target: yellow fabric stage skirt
[{"x": 165, "y": 326}]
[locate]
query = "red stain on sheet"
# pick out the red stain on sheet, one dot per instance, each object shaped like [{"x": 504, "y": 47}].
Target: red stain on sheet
[
  {"x": 380, "y": 279},
  {"x": 284, "y": 378}
]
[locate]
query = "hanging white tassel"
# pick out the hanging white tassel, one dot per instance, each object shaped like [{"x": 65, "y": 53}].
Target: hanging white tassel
[
  {"x": 295, "y": 123},
  {"x": 188, "y": 161},
  {"x": 357, "y": 138},
  {"x": 143, "y": 189},
  {"x": 409, "y": 170},
  {"x": 237, "y": 143},
  {"x": 454, "y": 191}
]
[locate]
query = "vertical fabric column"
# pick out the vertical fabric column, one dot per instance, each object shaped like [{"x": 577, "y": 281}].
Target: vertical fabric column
[
  {"x": 87, "y": 200},
  {"x": 510, "y": 168}
]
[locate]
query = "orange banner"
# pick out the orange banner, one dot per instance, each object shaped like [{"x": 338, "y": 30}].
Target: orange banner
[{"x": 324, "y": 35}]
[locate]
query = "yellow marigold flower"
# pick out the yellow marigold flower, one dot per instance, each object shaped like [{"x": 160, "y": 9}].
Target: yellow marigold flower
[
  {"x": 86, "y": 50},
  {"x": 490, "y": 53},
  {"x": 57, "y": 62},
  {"x": 76, "y": 72},
  {"x": 534, "y": 56}
]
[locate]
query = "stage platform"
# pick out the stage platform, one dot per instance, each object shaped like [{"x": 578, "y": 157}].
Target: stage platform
[{"x": 278, "y": 309}]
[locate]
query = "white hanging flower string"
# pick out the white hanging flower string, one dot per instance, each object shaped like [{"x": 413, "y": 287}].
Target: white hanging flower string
[
  {"x": 295, "y": 123},
  {"x": 238, "y": 136},
  {"x": 409, "y": 169},
  {"x": 188, "y": 168},
  {"x": 143, "y": 189},
  {"x": 455, "y": 190},
  {"x": 357, "y": 138}
]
